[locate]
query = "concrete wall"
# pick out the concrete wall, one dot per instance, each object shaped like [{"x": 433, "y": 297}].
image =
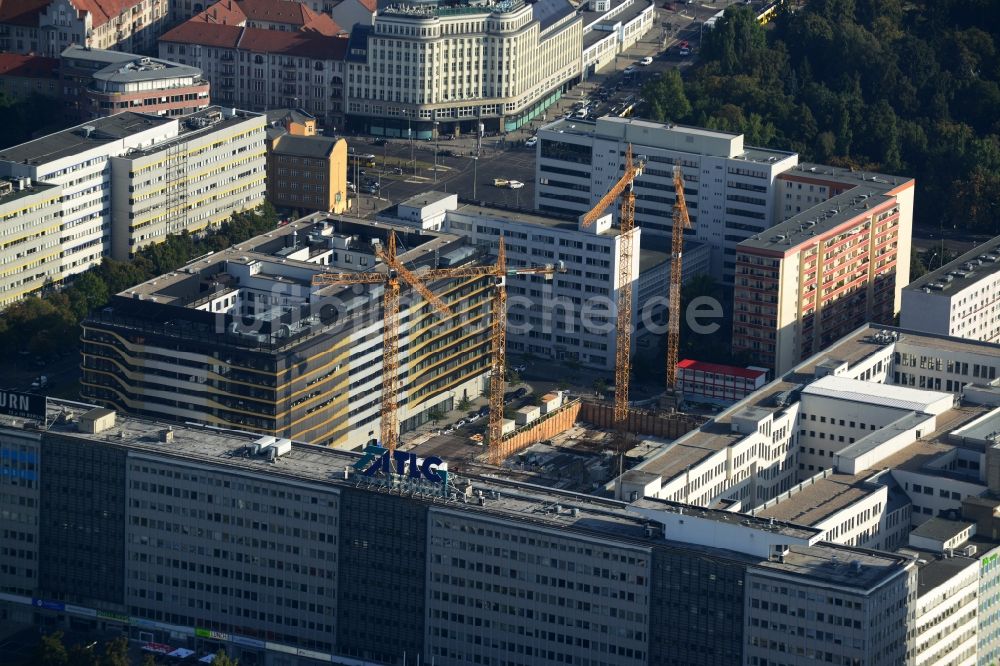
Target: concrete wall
[{"x": 642, "y": 422}]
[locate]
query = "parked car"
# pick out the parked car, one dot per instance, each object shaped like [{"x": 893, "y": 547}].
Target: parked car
[
  {"x": 530, "y": 143},
  {"x": 484, "y": 410},
  {"x": 380, "y": 141},
  {"x": 520, "y": 393},
  {"x": 630, "y": 70},
  {"x": 648, "y": 60},
  {"x": 459, "y": 423},
  {"x": 519, "y": 368},
  {"x": 447, "y": 431}
]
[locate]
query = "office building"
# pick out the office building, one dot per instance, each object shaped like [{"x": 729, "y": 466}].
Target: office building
[
  {"x": 716, "y": 383},
  {"x": 130, "y": 179},
  {"x": 811, "y": 279},
  {"x": 98, "y": 83},
  {"x": 961, "y": 299},
  {"x": 570, "y": 316},
  {"x": 431, "y": 68},
  {"x": 47, "y": 27},
  {"x": 306, "y": 173},
  {"x": 79, "y": 160},
  {"x": 213, "y": 166},
  {"x": 189, "y": 536},
  {"x": 885, "y": 426},
  {"x": 611, "y": 28},
  {"x": 729, "y": 188},
  {"x": 29, "y": 238},
  {"x": 242, "y": 339},
  {"x": 265, "y": 54},
  {"x": 22, "y": 76},
  {"x": 292, "y": 121}
]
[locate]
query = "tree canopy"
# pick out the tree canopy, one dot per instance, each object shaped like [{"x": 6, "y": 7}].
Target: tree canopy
[
  {"x": 903, "y": 88},
  {"x": 50, "y": 322}
]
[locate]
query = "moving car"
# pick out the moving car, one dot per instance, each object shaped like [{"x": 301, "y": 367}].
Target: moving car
[
  {"x": 530, "y": 143},
  {"x": 515, "y": 184},
  {"x": 501, "y": 182}
]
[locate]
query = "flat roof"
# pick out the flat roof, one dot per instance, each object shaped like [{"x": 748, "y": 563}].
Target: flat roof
[
  {"x": 426, "y": 199},
  {"x": 718, "y": 368},
  {"x": 716, "y": 434},
  {"x": 316, "y": 147},
  {"x": 873, "y": 440},
  {"x": 583, "y": 127},
  {"x": 940, "y": 529},
  {"x": 820, "y": 499},
  {"x": 36, "y": 187},
  {"x": 851, "y": 567},
  {"x": 873, "y": 393},
  {"x": 935, "y": 570},
  {"x": 270, "y": 248},
  {"x": 960, "y": 273},
  {"x": 75, "y": 140},
  {"x": 982, "y": 428},
  {"x": 188, "y": 127},
  {"x": 862, "y": 192},
  {"x": 525, "y": 218}
]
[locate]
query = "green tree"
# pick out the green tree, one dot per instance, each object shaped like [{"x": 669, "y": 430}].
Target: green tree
[
  {"x": 51, "y": 651},
  {"x": 666, "y": 98},
  {"x": 465, "y": 404},
  {"x": 222, "y": 659},
  {"x": 82, "y": 655},
  {"x": 600, "y": 386},
  {"x": 115, "y": 652},
  {"x": 434, "y": 415},
  {"x": 917, "y": 267}
]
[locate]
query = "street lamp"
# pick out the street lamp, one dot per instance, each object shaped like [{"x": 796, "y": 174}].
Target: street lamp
[
  {"x": 475, "y": 174},
  {"x": 436, "y": 145}
]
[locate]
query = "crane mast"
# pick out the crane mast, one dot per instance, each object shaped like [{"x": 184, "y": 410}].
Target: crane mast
[
  {"x": 681, "y": 222},
  {"x": 389, "y": 417},
  {"x": 623, "y": 329},
  {"x": 498, "y": 335}
]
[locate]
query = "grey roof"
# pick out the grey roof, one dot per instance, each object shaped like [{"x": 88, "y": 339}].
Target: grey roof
[
  {"x": 884, "y": 434},
  {"x": 869, "y": 190},
  {"x": 550, "y": 12},
  {"x": 36, "y": 187},
  {"x": 317, "y": 147},
  {"x": 145, "y": 69},
  {"x": 936, "y": 571},
  {"x": 940, "y": 529},
  {"x": 956, "y": 275},
  {"x": 297, "y": 115},
  {"x": 75, "y": 139},
  {"x": 425, "y": 199},
  {"x": 96, "y": 55}
]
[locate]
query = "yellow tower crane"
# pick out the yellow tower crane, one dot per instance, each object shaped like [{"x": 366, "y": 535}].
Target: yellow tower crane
[
  {"x": 390, "y": 331},
  {"x": 623, "y": 344},
  {"x": 681, "y": 222},
  {"x": 498, "y": 334}
]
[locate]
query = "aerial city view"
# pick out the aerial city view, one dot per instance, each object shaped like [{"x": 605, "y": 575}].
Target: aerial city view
[{"x": 500, "y": 332}]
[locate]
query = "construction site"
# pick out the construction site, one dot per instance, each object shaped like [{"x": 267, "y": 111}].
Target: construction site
[{"x": 347, "y": 333}]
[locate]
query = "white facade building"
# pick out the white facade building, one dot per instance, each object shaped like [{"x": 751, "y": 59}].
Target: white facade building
[
  {"x": 762, "y": 447},
  {"x": 961, "y": 299},
  {"x": 427, "y": 68},
  {"x": 571, "y": 316},
  {"x": 214, "y": 166},
  {"x": 611, "y": 28},
  {"x": 79, "y": 159},
  {"x": 29, "y": 238},
  {"x": 102, "y": 165},
  {"x": 947, "y": 603},
  {"x": 729, "y": 188}
]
